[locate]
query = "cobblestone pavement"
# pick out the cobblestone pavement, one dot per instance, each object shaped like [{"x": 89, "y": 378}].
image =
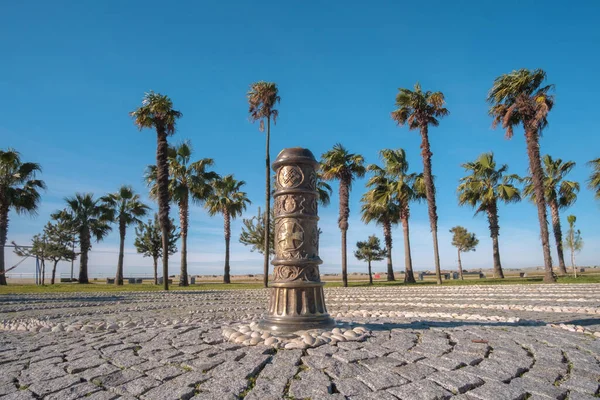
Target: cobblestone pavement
[{"x": 473, "y": 342}]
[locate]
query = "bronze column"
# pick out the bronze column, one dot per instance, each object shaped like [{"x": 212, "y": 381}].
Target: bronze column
[{"x": 297, "y": 301}]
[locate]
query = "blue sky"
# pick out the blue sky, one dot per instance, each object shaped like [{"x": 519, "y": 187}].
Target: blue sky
[{"x": 71, "y": 71}]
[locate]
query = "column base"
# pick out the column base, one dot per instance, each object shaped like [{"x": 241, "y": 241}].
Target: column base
[{"x": 296, "y": 306}]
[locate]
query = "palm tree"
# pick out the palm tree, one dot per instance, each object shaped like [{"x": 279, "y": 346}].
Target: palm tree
[
  {"x": 88, "y": 217},
  {"x": 324, "y": 190},
  {"x": 262, "y": 98},
  {"x": 559, "y": 194},
  {"x": 19, "y": 191},
  {"x": 419, "y": 110},
  {"x": 573, "y": 241},
  {"x": 519, "y": 98},
  {"x": 404, "y": 188},
  {"x": 188, "y": 180},
  {"x": 379, "y": 206},
  {"x": 482, "y": 189},
  {"x": 594, "y": 181},
  {"x": 227, "y": 199},
  {"x": 339, "y": 164},
  {"x": 127, "y": 209},
  {"x": 157, "y": 112}
]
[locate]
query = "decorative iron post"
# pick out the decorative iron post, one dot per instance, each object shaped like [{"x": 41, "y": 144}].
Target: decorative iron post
[{"x": 297, "y": 301}]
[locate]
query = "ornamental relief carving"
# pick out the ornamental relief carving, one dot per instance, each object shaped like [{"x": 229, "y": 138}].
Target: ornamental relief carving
[
  {"x": 289, "y": 237},
  {"x": 294, "y": 273},
  {"x": 290, "y": 176}
]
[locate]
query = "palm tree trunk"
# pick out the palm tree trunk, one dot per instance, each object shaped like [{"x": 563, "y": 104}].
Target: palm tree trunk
[
  {"x": 119, "y": 276},
  {"x": 183, "y": 222},
  {"x": 460, "y": 272},
  {"x": 84, "y": 243},
  {"x": 430, "y": 193},
  {"x": 535, "y": 166},
  {"x": 409, "y": 276},
  {"x": 343, "y": 224},
  {"x": 53, "y": 272},
  {"x": 227, "y": 223},
  {"x": 387, "y": 235},
  {"x": 492, "y": 213},
  {"x": 267, "y": 205},
  {"x": 162, "y": 180},
  {"x": 3, "y": 234},
  {"x": 558, "y": 236},
  {"x": 370, "y": 273},
  {"x": 571, "y": 234},
  {"x": 155, "y": 270}
]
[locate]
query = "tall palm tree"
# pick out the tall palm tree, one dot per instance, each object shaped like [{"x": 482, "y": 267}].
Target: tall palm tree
[
  {"x": 262, "y": 98},
  {"x": 404, "y": 189},
  {"x": 89, "y": 217},
  {"x": 157, "y": 112},
  {"x": 518, "y": 98},
  {"x": 419, "y": 110},
  {"x": 341, "y": 165},
  {"x": 559, "y": 194},
  {"x": 19, "y": 191},
  {"x": 188, "y": 181},
  {"x": 378, "y": 205},
  {"x": 127, "y": 209},
  {"x": 229, "y": 200},
  {"x": 482, "y": 189},
  {"x": 594, "y": 181}
]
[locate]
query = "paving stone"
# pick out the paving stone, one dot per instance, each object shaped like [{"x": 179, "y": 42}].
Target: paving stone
[
  {"x": 581, "y": 396},
  {"x": 7, "y": 388},
  {"x": 169, "y": 390},
  {"x": 352, "y": 355},
  {"x": 376, "y": 363},
  {"x": 19, "y": 395},
  {"x": 77, "y": 391},
  {"x": 165, "y": 372},
  {"x": 117, "y": 378},
  {"x": 311, "y": 384},
  {"x": 137, "y": 386},
  {"x": 103, "y": 395},
  {"x": 351, "y": 387},
  {"x": 318, "y": 362},
  {"x": 284, "y": 363},
  {"x": 442, "y": 363},
  {"x": 269, "y": 388},
  {"x": 98, "y": 372},
  {"x": 455, "y": 381},
  {"x": 420, "y": 390},
  {"x": 581, "y": 384},
  {"x": 538, "y": 388},
  {"x": 381, "y": 395},
  {"x": 225, "y": 386},
  {"x": 379, "y": 380},
  {"x": 494, "y": 390},
  {"x": 341, "y": 370},
  {"x": 414, "y": 372},
  {"x": 82, "y": 364},
  {"x": 30, "y": 376},
  {"x": 124, "y": 360},
  {"x": 53, "y": 385}
]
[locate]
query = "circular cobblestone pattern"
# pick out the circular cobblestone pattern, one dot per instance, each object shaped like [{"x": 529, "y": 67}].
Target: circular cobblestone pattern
[{"x": 470, "y": 342}]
